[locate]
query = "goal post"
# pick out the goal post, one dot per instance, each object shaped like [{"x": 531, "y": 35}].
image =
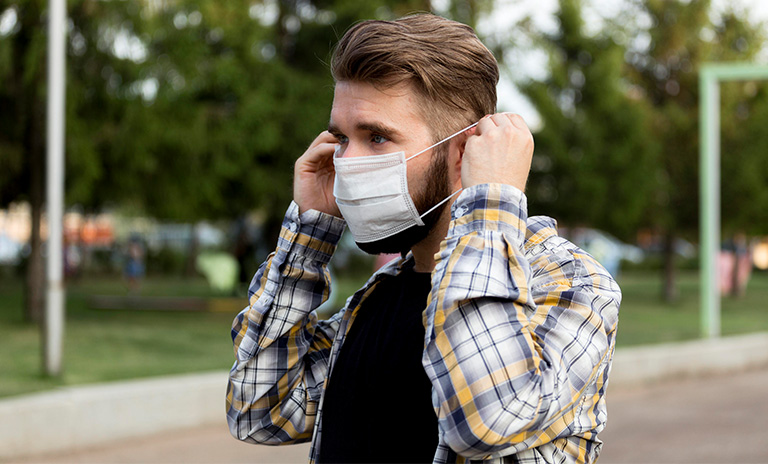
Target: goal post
[{"x": 710, "y": 77}]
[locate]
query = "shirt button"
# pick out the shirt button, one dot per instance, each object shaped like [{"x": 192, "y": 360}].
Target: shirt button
[
  {"x": 461, "y": 211},
  {"x": 292, "y": 227}
]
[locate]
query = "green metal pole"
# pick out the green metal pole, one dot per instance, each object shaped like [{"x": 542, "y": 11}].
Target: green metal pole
[
  {"x": 709, "y": 183},
  {"x": 709, "y": 133},
  {"x": 736, "y": 71}
]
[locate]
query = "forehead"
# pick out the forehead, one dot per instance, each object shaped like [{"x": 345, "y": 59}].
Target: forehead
[{"x": 360, "y": 103}]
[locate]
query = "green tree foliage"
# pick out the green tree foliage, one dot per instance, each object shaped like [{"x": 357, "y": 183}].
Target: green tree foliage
[
  {"x": 22, "y": 125},
  {"x": 619, "y": 145},
  {"x": 744, "y": 155},
  {"x": 681, "y": 36},
  {"x": 593, "y": 155},
  {"x": 181, "y": 109}
]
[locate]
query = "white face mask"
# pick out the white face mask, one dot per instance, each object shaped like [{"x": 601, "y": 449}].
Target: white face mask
[{"x": 372, "y": 194}]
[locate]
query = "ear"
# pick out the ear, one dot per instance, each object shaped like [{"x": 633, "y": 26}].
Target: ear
[{"x": 458, "y": 145}]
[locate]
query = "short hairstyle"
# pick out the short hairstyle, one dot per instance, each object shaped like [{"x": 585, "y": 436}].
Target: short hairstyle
[{"x": 453, "y": 73}]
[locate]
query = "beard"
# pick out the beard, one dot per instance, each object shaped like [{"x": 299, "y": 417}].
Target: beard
[{"x": 435, "y": 191}]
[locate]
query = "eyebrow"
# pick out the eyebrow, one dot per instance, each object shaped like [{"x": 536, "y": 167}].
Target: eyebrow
[{"x": 375, "y": 127}]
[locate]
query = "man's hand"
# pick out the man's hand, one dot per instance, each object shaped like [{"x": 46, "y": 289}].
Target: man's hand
[
  {"x": 499, "y": 151},
  {"x": 313, "y": 175}
]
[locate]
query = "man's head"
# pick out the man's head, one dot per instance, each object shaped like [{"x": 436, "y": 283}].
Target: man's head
[
  {"x": 403, "y": 85},
  {"x": 453, "y": 74}
]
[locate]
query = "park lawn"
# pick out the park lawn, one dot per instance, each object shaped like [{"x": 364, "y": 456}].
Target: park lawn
[
  {"x": 107, "y": 345},
  {"x": 644, "y": 318}
]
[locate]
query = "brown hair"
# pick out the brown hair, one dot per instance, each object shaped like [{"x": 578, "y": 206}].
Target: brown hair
[{"x": 453, "y": 73}]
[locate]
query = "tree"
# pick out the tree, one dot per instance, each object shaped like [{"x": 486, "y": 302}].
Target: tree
[
  {"x": 744, "y": 197},
  {"x": 22, "y": 125},
  {"x": 620, "y": 122},
  {"x": 183, "y": 110},
  {"x": 682, "y": 35},
  {"x": 92, "y": 114},
  {"x": 593, "y": 155}
]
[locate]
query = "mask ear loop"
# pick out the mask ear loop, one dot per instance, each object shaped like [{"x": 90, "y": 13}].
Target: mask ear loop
[
  {"x": 433, "y": 146},
  {"x": 444, "y": 140},
  {"x": 441, "y": 202}
]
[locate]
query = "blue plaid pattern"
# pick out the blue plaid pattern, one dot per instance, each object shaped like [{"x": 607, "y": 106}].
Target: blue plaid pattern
[{"x": 520, "y": 332}]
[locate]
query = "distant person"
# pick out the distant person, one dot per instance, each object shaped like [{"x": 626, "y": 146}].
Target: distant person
[
  {"x": 743, "y": 264},
  {"x": 72, "y": 258},
  {"x": 735, "y": 266},
  {"x": 134, "y": 264},
  {"x": 490, "y": 340}
]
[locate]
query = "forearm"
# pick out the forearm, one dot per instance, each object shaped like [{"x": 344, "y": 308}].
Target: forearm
[
  {"x": 505, "y": 360},
  {"x": 281, "y": 348}
]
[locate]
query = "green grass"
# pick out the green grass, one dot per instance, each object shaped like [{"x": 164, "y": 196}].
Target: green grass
[
  {"x": 103, "y": 345},
  {"x": 644, "y": 318}
]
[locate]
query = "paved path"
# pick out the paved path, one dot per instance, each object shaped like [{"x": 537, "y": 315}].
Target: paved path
[{"x": 720, "y": 419}]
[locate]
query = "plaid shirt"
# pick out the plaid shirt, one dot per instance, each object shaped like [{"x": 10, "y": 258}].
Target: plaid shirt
[{"x": 520, "y": 331}]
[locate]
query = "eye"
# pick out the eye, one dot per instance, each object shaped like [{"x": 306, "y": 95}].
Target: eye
[
  {"x": 378, "y": 139},
  {"x": 342, "y": 139}
]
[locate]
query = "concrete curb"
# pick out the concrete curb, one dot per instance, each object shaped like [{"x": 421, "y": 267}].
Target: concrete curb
[
  {"x": 73, "y": 418},
  {"x": 654, "y": 363}
]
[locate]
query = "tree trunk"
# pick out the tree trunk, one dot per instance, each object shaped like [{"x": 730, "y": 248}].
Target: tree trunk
[
  {"x": 670, "y": 273},
  {"x": 30, "y": 128},
  {"x": 34, "y": 146}
]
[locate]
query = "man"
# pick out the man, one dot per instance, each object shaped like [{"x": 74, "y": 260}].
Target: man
[{"x": 491, "y": 338}]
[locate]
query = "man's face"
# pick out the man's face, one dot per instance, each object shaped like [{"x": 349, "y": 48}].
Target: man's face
[{"x": 368, "y": 121}]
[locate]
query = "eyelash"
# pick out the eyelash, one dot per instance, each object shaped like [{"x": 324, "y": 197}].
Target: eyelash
[{"x": 342, "y": 139}]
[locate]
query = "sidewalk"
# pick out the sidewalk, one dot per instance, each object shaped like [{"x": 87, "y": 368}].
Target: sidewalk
[
  {"x": 212, "y": 444},
  {"x": 717, "y": 419},
  {"x": 713, "y": 419}
]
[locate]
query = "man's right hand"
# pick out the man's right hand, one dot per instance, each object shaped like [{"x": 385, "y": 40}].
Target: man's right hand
[{"x": 313, "y": 176}]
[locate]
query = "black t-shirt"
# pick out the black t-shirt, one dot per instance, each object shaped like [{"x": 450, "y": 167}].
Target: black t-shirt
[{"x": 378, "y": 405}]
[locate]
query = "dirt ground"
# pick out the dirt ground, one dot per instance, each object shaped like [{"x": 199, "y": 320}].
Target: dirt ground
[{"x": 720, "y": 419}]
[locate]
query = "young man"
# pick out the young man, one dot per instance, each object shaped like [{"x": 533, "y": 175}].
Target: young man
[{"x": 491, "y": 338}]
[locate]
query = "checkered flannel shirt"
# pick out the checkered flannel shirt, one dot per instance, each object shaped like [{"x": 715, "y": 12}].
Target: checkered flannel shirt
[{"x": 520, "y": 332}]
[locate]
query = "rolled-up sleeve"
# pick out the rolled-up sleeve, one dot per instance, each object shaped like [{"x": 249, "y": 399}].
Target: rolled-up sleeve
[
  {"x": 281, "y": 348},
  {"x": 513, "y": 339}
]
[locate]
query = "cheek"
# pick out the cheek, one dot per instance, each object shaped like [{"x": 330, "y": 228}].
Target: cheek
[{"x": 417, "y": 171}]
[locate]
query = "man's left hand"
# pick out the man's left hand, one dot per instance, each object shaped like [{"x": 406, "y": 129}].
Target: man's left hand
[{"x": 499, "y": 151}]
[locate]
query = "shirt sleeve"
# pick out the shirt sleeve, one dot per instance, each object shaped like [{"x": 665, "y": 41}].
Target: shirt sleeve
[
  {"x": 281, "y": 348},
  {"x": 510, "y": 351}
]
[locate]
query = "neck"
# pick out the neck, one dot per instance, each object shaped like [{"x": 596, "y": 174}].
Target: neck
[{"x": 424, "y": 251}]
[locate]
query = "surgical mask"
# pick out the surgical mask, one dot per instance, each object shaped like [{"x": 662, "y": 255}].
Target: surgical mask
[{"x": 372, "y": 193}]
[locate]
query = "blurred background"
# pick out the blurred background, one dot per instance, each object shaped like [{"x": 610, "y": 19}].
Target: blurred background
[{"x": 184, "y": 118}]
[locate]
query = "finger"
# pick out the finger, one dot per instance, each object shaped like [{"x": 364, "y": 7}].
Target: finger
[
  {"x": 323, "y": 137},
  {"x": 517, "y": 121},
  {"x": 502, "y": 119},
  {"x": 316, "y": 158},
  {"x": 322, "y": 151}
]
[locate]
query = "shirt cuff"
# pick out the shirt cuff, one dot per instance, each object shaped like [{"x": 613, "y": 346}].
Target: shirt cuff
[
  {"x": 490, "y": 207},
  {"x": 312, "y": 234}
]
